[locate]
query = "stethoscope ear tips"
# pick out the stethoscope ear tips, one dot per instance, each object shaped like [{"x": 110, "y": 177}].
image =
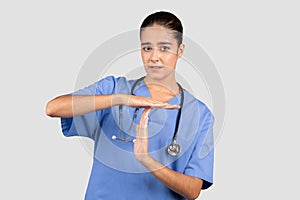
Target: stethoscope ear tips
[{"x": 114, "y": 137}]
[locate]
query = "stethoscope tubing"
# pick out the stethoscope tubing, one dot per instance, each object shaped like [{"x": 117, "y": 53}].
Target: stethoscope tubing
[{"x": 173, "y": 148}]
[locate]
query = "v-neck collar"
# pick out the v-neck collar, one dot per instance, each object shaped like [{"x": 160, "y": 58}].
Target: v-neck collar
[{"x": 145, "y": 91}]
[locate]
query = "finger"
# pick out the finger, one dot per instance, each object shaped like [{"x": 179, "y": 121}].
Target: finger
[
  {"x": 171, "y": 106},
  {"x": 143, "y": 102},
  {"x": 157, "y": 103},
  {"x": 138, "y": 131},
  {"x": 144, "y": 117},
  {"x": 146, "y": 111},
  {"x": 141, "y": 132}
]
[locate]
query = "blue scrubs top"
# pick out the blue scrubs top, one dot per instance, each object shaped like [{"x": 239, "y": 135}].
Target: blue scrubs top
[{"x": 116, "y": 174}]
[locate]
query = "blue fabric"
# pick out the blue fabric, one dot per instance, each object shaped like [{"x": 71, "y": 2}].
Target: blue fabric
[{"x": 116, "y": 174}]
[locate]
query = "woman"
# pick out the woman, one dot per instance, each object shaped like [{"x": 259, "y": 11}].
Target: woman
[{"x": 163, "y": 113}]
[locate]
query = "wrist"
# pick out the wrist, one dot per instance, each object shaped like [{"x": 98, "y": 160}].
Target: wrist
[
  {"x": 150, "y": 163},
  {"x": 117, "y": 99},
  {"x": 145, "y": 159}
]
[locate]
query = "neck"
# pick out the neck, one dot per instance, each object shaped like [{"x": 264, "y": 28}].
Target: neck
[{"x": 166, "y": 84}]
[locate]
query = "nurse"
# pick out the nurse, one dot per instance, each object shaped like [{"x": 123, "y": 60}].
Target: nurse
[{"x": 133, "y": 123}]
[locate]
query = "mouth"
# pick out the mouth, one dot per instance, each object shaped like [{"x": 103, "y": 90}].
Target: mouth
[{"x": 155, "y": 67}]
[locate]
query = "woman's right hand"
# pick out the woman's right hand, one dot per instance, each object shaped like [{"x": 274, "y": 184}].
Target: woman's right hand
[{"x": 144, "y": 102}]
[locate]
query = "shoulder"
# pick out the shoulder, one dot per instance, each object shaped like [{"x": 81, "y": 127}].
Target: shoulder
[
  {"x": 191, "y": 100},
  {"x": 200, "y": 112},
  {"x": 111, "y": 80},
  {"x": 113, "y": 84},
  {"x": 115, "y": 80}
]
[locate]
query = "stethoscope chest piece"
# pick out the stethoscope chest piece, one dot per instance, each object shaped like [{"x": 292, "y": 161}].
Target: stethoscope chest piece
[{"x": 173, "y": 149}]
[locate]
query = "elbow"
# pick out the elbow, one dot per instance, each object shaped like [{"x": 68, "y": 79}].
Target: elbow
[
  {"x": 59, "y": 107},
  {"x": 194, "y": 195},
  {"x": 50, "y": 111},
  {"x": 195, "y": 190}
]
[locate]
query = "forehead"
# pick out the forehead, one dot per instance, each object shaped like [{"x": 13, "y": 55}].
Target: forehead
[{"x": 157, "y": 34}]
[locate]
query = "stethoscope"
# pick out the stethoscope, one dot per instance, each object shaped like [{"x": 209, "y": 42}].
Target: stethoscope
[{"x": 173, "y": 148}]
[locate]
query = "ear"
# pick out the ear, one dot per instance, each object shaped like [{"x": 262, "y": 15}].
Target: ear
[{"x": 180, "y": 50}]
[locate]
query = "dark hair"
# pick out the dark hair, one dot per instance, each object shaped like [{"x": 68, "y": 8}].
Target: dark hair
[{"x": 167, "y": 20}]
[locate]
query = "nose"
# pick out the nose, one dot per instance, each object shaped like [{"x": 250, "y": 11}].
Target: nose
[{"x": 155, "y": 56}]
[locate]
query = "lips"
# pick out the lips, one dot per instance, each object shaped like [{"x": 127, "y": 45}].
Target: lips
[{"x": 155, "y": 67}]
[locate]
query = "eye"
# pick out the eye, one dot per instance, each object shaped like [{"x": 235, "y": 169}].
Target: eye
[
  {"x": 147, "y": 49},
  {"x": 164, "y": 48}
]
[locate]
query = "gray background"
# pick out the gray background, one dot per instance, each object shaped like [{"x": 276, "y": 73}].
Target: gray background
[{"x": 252, "y": 43}]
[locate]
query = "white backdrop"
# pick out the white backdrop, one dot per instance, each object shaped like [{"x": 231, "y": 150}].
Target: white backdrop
[{"x": 254, "y": 45}]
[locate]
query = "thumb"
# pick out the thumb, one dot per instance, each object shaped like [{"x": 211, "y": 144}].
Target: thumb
[{"x": 144, "y": 118}]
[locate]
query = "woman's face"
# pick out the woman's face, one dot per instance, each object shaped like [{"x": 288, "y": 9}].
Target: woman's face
[{"x": 159, "y": 51}]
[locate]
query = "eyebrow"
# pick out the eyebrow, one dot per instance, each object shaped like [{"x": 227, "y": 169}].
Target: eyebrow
[
  {"x": 159, "y": 43},
  {"x": 168, "y": 43}
]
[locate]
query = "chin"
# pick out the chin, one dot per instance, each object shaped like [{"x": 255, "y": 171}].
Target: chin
[{"x": 157, "y": 75}]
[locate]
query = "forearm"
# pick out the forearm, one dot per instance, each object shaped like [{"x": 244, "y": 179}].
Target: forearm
[
  {"x": 185, "y": 185},
  {"x": 73, "y": 105}
]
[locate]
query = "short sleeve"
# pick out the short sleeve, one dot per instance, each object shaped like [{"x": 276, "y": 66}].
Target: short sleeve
[
  {"x": 201, "y": 163},
  {"x": 87, "y": 125}
]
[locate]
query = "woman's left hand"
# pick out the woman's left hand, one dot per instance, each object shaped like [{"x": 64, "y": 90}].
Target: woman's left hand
[{"x": 141, "y": 142}]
